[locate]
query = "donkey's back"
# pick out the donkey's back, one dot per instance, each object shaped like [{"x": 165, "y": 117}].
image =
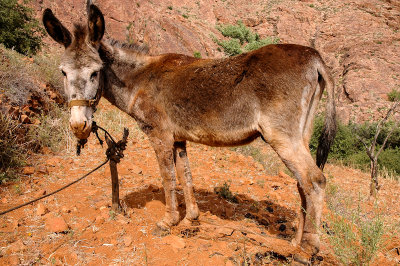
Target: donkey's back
[{"x": 225, "y": 102}]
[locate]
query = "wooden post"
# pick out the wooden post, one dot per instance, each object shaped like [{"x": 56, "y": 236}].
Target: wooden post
[
  {"x": 115, "y": 186},
  {"x": 115, "y": 153}
]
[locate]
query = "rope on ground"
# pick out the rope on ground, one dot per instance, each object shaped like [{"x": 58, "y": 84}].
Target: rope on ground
[
  {"x": 56, "y": 191},
  {"x": 114, "y": 153}
]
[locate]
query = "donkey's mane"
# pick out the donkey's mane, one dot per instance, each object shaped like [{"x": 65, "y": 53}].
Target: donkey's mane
[
  {"x": 139, "y": 48},
  {"x": 80, "y": 34}
]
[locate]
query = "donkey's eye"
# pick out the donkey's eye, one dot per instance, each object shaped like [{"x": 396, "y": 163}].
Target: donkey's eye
[
  {"x": 64, "y": 74},
  {"x": 94, "y": 75}
]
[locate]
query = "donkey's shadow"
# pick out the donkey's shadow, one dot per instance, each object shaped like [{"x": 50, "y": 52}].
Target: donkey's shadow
[{"x": 276, "y": 219}]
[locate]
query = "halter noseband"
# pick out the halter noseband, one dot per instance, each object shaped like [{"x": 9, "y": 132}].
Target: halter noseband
[{"x": 89, "y": 103}]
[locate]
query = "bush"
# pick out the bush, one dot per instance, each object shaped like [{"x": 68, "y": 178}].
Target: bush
[
  {"x": 348, "y": 149},
  {"x": 12, "y": 152},
  {"x": 394, "y": 95},
  {"x": 354, "y": 233},
  {"x": 18, "y": 27},
  {"x": 241, "y": 39}
]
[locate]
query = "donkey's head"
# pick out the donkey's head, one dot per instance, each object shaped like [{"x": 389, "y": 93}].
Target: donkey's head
[{"x": 81, "y": 65}]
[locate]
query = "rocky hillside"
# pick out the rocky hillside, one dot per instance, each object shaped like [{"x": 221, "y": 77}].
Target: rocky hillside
[{"x": 359, "y": 39}]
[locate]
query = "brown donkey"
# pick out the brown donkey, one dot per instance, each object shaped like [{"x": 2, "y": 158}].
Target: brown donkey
[{"x": 272, "y": 93}]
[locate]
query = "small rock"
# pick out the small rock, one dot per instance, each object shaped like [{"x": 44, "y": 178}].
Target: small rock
[
  {"x": 223, "y": 231},
  {"x": 56, "y": 224},
  {"x": 127, "y": 241},
  {"x": 53, "y": 162},
  {"x": 29, "y": 170},
  {"x": 17, "y": 246},
  {"x": 135, "y": 169},
  {"x": 175, "y": 241},
  {"x": 41, "y": 210},
  {"x": 65, "y": 209},
  {"x": 42, "y": 169},
  {"x": 40, "y": 193},
  {"x": 4, "y": 200},
  {"x": 99, "y": 219},
  {"x": 25, "y": 119}
]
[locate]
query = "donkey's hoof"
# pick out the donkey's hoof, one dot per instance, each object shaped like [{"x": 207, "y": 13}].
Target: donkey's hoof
[
  {"x": 301, "y": 259},
  {"x": 186, "y": 222},
  {"x": 310, "y": 243}
]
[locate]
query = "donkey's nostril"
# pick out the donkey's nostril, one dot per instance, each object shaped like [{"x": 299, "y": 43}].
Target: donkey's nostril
[{"x": 84, "y": 125}]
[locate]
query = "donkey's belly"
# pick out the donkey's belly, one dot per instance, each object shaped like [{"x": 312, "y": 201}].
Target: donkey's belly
[{"x": 218, "y": 138}]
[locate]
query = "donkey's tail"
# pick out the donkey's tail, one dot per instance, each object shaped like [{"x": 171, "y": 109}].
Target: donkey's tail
[{"x": 329, "y": 130}]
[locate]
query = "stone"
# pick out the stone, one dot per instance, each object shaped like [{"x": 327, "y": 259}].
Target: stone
[
  {"x": 65, "y": 209},
  {"x": 175, "y": 241},
  {"x": 15, "y": 247},
  {"x": 25, "y": 119},
  {"x": 53, "y": 162},
  {"x": 29, "y": 170},
  {"x": 56, "y": 224},
  {"x": 41, "y": 209},
  {"x": 127, "y": 241},
  {"x": 40, "y": 193},
  {"x": 223, "y": 231},
  {"x": 42, "y": 170}
]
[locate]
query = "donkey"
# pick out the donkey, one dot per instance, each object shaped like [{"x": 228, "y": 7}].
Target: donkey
[{"x": 271, "y": 93}]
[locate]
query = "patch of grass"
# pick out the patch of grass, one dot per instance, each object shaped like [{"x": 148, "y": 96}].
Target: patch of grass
[
  {"x": 224, "y": 192},
  {"x": 241, "y": 39},
  {"x": 354, "y": 236},
  {"x": 197, "y": 54},
  {"x": 52, "y": 132},
  {"x": 12, "y": 151},
  {"x": 170, "y": 7},
  {"x": 394, "y": 95}
]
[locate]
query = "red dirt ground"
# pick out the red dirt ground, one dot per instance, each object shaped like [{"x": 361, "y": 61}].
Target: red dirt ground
[{"x": 257, "y": 229}]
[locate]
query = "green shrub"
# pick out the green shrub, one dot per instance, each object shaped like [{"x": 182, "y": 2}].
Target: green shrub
[
  {"x": 394, "y": 95},
  {"x": 231, "y": 47},
  {"x": 355, "y": 234},
  {"x": 260, "y": 43},
  {"x": 224, "y": 192},
  {"x": 241, "y": 39},
  {"x": 357, "y": 240},
  {"x": 197, "y": 54},
  {"x": 18, "y": 27},
  {"x": 348, "y": 149}
]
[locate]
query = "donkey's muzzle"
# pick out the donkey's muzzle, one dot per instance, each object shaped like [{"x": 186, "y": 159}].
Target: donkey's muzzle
[{"x": 81, "y": 129}]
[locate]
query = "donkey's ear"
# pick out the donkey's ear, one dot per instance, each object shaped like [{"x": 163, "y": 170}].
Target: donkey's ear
[
  {"x": 55, "y": 29},
  {"x": 96, "y": 24}
]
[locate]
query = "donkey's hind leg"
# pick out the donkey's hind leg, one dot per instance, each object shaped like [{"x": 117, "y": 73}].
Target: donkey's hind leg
[
  {"x": 164, "y": 151},
  {"x": 311, "y": 185},
  {"x": 185, "y": 178}
]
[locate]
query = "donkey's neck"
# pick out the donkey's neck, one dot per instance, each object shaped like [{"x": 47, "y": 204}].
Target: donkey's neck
[{"x": 120, "y": 65}]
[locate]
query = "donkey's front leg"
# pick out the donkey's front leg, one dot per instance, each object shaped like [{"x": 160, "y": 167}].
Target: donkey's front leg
[{"x": 165, "y": 157}]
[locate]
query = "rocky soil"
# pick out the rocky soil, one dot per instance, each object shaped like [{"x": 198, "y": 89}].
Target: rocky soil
[
  {"x": 359, "y": 39},
  {"x": 77, "y": 225}
]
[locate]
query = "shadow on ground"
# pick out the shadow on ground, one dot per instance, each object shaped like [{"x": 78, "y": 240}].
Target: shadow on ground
[{"x": 275, "y": 219}]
